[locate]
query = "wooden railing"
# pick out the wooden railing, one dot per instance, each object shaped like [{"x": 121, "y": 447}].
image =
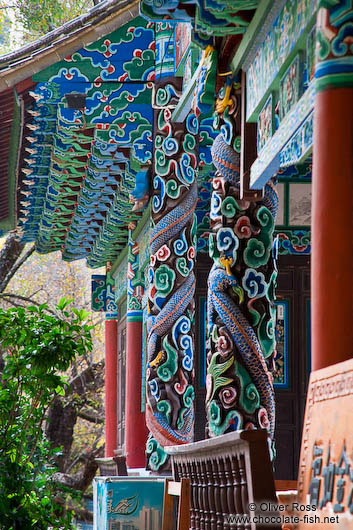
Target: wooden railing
[{"x": 227, "y": 474}]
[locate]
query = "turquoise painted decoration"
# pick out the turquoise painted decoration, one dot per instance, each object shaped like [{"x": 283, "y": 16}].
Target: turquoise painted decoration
[
  {"x": 210, "y": 17},
  {"x": 135, "y": 281},
  {"x": 334, "y": 33},
  {"x": 103, "y": 295},
  {"x": 99, "y": 293},
  {"x": 294, "y": 242},
  {"x": 300, "y": 145},
  {"x": 127, "y": 502}
]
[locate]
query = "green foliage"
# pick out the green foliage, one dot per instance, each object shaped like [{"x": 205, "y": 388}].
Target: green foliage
[
  {"x": 5, "y": 25},
  {"x": 41, "y": 16},
  {"x": 36, "y": 347}
]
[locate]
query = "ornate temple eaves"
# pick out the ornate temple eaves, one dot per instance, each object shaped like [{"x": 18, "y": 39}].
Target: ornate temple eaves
[
  {"x": 216, "y": 18},
  {"x": 55, "y": 46}
]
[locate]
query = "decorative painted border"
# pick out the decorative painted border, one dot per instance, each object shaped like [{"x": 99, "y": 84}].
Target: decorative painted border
[
  {"x": 268, "y": 162},
  {"x": 294, "y": 242},
  {"x": 265, "y": 124},
  {"x": 286, "y": 36},
  {"x": 292, "y": 79},
  {"x": 334, "y": 59},
  {"x": 300, "y": 145},
  {"x": 285, "y": 305}
]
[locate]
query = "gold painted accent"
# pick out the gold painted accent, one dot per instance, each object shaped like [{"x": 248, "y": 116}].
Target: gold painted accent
[
  {"x": 222, "y": 104},
  {"x": 157, "y": 359},
  {"x": 207, "y": 51},
  {"x": 226, "y": 262}
]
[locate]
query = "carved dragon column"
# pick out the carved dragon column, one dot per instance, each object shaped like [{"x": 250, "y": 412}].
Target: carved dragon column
[
  {"x": 241, "y": 312},
  {"x": 170, "y": 343}
]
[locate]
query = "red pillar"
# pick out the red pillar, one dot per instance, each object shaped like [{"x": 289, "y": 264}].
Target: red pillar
[
  {"x": 135, "y": 425},
  {"x": 332, "y": 223},
  {"x": 111, "y": 343}
]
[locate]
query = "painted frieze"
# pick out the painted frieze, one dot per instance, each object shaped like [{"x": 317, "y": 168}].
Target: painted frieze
[
  {"x": 265, "y": 124},
  {"x": 300, "y": 144},
  {"x": 284, "y": 34},
  {"x": 103, "y": 294},
  {"x": 290, "y": 87},
  {"x": 268, "y": 161},
  {"x": 294, "y": 242},
  {"x": 241, "y": 284}
]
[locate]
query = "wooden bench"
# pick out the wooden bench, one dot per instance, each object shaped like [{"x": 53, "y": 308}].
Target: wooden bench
[{"x": 227, "y": 474}]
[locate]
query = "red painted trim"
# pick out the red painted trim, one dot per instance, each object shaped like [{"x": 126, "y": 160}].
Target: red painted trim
[
  {"x": 25, "y": 85},
  {"x": 111, "y": 418},
  {"x": 135, "y": 425},
  {"x": 332, "y": 220}
]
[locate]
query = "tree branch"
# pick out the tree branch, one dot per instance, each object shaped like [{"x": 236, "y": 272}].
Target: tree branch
[
  {"x": 89, "y": 416},
  {"x": 81, "y": 480},
  {"x": 24, "y": 298},
  {"x": 93, "y": 374},
  {"x": 8, "y": 259}
]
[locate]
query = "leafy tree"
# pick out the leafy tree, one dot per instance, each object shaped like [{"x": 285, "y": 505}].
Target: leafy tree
[
  {"x": 5, "y": 24},
  {"x": 41, "y": 16},
  {"x": 75, "y": 419},
  {"x": 37, "y": 348},
  {"x": 35, "y": 18}
]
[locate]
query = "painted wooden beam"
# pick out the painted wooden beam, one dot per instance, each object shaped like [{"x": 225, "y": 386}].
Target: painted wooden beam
[
  {"x": 251, "y": 33},
  {"x": 268, "y": 161}
]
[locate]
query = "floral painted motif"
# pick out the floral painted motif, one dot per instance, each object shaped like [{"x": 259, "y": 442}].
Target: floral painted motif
[
  {"x": 254, "y": 283},
  {"x": 227, "y": 242}
]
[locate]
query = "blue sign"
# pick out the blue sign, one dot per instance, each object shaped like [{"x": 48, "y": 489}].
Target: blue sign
[{"x": 127, "y": 502}]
